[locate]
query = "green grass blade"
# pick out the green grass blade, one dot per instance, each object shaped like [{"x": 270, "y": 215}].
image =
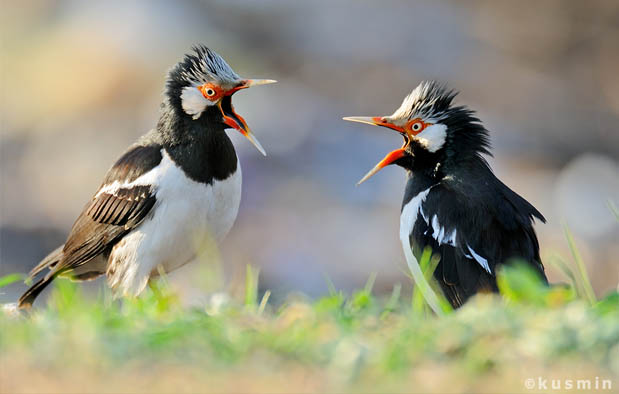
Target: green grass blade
[
  {"x": 420, "y": 280},
  {"x": 10, "y": 278},
  {"x": 613, "y": 208},
  {"x": 559, "y": 264},
  {"x": 583, "y": 277},
  {"x": 392, "y": 303},
  {"x": 264, "y": 301},
  {"x": 418, "y": 303},
  {"x": 428, "y": 266},
  {"x": 330, "y": 285},
  {"x": 370, "y": 282},
  {"x": 520, "y": 283},
  {"x": 251, "y": 286}
]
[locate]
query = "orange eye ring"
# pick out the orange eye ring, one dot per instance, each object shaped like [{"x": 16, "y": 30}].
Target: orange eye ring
[
  {"x": 210, "y": 91},
  {"x": 416, "y": 126}
]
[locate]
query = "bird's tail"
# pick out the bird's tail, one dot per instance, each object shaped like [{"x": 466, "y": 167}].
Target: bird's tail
[
  {"x": 26, "y": 300},
  {"x": 50, "y": 261}
]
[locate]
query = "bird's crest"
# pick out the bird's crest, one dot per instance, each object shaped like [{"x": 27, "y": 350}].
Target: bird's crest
[
  {"x": 430, "y": 100},
  {"x": 204, "y": 65}
]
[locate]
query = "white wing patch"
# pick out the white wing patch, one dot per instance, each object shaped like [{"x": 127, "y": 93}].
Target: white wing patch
[
  {"x": 439, "y": 232},
  {"x": 451, "y": 239},
  {"x": 150, "y": 178},
  {"x": 423, "y": 214},
  {"x": 409, "y": 216},
  {"x": 483, "y": 262},
  {"x": 441, "y": 235}
]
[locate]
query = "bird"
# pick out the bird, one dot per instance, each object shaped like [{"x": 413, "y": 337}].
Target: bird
[
  {"x": 453, "y": 202},
  {"x": 175, "y": 188}
]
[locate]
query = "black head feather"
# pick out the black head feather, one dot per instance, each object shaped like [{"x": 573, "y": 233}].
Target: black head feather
[{"x": 466, "y": 136}]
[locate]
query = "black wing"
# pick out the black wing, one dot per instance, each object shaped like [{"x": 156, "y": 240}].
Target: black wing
[
  {"x": 104, "y": 221},
  {"x": 475, "y": 227},
  {"x": 117, "y": 208}
]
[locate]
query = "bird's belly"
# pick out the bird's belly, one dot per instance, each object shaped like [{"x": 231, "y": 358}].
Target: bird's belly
[{"x": 188, "y": 219}]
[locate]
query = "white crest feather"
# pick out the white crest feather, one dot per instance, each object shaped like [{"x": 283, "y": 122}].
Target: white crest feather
[
  {"x": 427, "y": 101},
  {"x": 206, "y": 65}
]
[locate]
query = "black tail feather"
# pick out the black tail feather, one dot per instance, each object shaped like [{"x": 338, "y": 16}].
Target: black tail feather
[
  {"x": 27, "y": 299},
  {"x": 454, "y": 294}
]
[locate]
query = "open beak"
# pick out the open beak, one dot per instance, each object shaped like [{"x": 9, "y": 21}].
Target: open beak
[
  {"x": 391, "y": 156},
  {"x": 236, "y": 121},
  {"x": 389, "y": 159}
]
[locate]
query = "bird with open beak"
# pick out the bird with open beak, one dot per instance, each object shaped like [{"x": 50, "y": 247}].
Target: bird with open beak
[
  {"x": 177, "y": 188},
  {"x": 453, "y": 202}
]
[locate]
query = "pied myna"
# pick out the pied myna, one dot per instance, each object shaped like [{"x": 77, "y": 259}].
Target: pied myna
[
  {"x": 453, "y": 202},
  {"x": 177, "y": 187}
]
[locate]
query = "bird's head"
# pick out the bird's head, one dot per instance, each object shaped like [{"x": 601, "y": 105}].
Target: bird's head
[
  {"x": 433, "y": 129},
  {"x": 202, "y": 85}
]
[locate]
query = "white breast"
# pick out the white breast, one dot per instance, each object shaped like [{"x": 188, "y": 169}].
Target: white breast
[{"x": 187, "y": 216}]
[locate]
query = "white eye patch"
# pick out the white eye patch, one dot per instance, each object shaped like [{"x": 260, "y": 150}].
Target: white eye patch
[
  {"x": 433, "y": 137},
  {"x": 193, "y": 102}
]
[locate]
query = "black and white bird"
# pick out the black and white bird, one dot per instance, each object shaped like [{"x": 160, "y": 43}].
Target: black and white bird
[
  {"x": 453, "y": 202},
  {"x": 177, "y": 187}
]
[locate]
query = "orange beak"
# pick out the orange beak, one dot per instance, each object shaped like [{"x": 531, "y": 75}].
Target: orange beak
[
  {"x": 236, "y": 121},
  {"x": 391, "y": 156}
]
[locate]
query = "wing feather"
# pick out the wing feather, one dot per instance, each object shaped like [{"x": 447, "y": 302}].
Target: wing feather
[
  {"x": 489, "y": 227},
  {"x": 118, "y": 207}
]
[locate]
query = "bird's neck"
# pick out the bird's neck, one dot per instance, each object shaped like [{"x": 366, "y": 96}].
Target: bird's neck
[
  {"x": 423, "y": 173},
  {"x": 425, "y": 165},
  {"x": 201, "y": 147},
  {"x": 419, "y": 181}
]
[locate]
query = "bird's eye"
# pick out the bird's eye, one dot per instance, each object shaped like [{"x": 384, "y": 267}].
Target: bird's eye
[
  {"x": 417, "y": 126},
  {"x": 209, "y": 91}
]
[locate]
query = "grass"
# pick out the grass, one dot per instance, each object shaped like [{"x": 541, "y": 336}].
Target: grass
[{"x": 356, "y": 342}]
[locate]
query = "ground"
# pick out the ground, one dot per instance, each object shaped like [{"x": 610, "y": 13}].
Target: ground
[{"x": 339, "y": 343}]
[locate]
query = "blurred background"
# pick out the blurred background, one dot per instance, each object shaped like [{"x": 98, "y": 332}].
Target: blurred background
[{"x": 80, "y": 81}]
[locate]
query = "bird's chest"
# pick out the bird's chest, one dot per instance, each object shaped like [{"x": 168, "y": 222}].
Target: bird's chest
[
  {"x": 197, "y": 210},
  {"x": 188, "y": 218}
]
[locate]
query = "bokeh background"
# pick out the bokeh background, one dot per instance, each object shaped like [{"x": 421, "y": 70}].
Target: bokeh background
[{"x": 80, "y": 81}]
